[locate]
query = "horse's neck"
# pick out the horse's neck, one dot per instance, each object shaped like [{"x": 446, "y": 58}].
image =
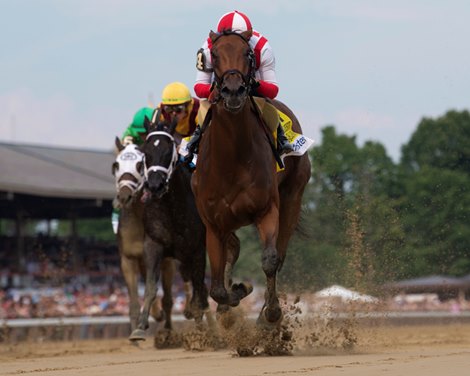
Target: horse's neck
[
  {"x": 179, "y": 186},
  {"x": 235, "y": 133}
]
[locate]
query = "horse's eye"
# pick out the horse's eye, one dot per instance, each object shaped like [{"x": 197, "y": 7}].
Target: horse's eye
[
  {"x": 139, "y": 167},
  {"x": 114, "y": 167}
]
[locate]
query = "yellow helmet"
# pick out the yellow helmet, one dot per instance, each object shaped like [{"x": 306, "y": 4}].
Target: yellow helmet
[{"x": 175, "y": 93}]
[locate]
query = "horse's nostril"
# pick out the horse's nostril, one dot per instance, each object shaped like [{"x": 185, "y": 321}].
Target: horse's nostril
[
  {"x": 225, "y": 91},
  {"x": 241, "y": 90}
]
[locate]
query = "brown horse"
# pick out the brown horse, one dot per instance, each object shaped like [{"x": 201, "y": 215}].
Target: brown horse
[
  {"x": 128, "y": 169},
  {"x": 236, "y": 183}
]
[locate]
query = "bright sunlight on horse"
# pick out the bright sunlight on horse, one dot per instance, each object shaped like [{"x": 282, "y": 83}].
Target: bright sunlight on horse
[{"x": 236, "y": 183}]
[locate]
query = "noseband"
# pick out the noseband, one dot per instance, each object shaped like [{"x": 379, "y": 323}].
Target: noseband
[
  {"x": 174, "y": 158},
  {"x": 248, "y": 78},
  {"x": 127, "y": 164}
]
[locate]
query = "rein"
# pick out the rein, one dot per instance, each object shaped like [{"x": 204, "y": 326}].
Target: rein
[{"x": 174, "y": 158}]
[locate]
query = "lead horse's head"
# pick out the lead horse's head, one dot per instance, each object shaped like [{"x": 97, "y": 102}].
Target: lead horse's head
[
  {"x": 160, "y": 156},
  {"x": 233, "y": 62}
]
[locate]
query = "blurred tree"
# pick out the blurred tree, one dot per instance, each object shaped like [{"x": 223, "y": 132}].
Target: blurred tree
[
  {"x": 353, "y": 228},
  {"x": 441, "y": 143},
  {"x": 436, "y": 196}
]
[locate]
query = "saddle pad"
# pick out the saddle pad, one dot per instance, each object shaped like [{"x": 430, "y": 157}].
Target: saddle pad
[{"x": 204, "y": 106}]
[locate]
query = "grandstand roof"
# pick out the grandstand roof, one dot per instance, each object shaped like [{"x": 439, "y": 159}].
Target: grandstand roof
[{"x": 72, "y": 176}]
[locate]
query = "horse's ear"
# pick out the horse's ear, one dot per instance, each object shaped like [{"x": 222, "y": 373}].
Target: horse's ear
[
  {"x": 247, "y": 34},
  {"x": 118, "y": 144},
  {"x": 213, "y": 36},
  {"x": 147, "y": 123}
]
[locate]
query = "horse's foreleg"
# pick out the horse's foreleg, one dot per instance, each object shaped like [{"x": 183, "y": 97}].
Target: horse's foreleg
[
  {"x": 268, "y": 228},
  {"x": 217, "y": 259},
  {"x": 233, "y": 251},
  {"x": 152, "y": 258},
  {"x": 168, "y": 273},
  {"x": 130, "y": 271}
]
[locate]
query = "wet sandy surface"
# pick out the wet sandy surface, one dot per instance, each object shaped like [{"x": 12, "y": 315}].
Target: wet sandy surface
[{"x": 405, "y": 350}]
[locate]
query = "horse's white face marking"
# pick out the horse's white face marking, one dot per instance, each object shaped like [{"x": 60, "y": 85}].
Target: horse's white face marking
[{"x": 156, "y": 143}]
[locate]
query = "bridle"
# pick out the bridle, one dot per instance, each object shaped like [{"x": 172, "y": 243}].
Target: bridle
[
  {"x": 127, "y": 161},
  {"x": 248, "y": 78},
  {"x": 174, "y": 158}
]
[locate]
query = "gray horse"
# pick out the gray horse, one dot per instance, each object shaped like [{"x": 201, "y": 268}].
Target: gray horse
[{"x": 127, "y": 170}]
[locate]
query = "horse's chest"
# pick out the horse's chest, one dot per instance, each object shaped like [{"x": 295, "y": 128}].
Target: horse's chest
[{"x": 237, "y": 208}]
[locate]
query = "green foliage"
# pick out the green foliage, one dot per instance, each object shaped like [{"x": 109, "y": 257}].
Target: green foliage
[
  {"x": 436, "y": 211},
  {"x": 442, "y": 143}
]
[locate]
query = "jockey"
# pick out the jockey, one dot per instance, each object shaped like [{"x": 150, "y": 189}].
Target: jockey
[
  {"x": 176, "y": 103},
  {"x": 265, "y": 75},
  {"x": 135, "y": 132}
]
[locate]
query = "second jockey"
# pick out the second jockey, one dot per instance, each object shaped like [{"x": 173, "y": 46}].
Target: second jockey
[
  {"x": 176, "y": 103},
  {"x": 265, "y": 74}
]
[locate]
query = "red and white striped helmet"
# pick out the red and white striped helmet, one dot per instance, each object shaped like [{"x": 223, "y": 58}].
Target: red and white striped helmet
[{"x": 235, "y": 21}]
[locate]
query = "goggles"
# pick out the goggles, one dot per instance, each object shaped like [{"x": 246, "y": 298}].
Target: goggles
[{"x": 178, "y": 108}]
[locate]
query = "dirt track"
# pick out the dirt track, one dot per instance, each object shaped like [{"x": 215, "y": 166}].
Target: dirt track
[{"x": 410, "y": 350}]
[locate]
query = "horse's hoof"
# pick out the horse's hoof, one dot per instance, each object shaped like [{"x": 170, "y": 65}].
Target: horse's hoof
[
  {"x": 242, "y": 290},
  {"x": 269, "y": 319},
  {"x": 220, "y": 295},
  {"x": 137, "y": 335},
  {"x": 188, "y": 314}
]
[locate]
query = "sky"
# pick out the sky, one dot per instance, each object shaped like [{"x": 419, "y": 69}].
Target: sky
[{"x": 73, "y": 72}]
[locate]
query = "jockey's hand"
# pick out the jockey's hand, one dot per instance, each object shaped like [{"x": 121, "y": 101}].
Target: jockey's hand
[{"x": 188, "y": 158}]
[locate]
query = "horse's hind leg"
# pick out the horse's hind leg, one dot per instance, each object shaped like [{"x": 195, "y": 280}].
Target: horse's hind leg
[
  {"x": 290, "y": 195},
  {"x": 130, "y": 271},
  {"x": 153, "y": 253},
  {"x": 232, "y": 245},
  {"x": 217, "y": 263},
  {"x": 271, "y": 260}
]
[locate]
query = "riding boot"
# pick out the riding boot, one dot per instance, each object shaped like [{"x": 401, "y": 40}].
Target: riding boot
[
  {"x": 283, "y": 144},
  {"x": 193, "y": 144}
]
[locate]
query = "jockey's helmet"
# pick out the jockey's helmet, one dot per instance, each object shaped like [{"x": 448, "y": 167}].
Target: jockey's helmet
[
  {"x": 139, "y": 117},
  {"x": 235, "y": 21},
  {"x": 175, "y": 93}
]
